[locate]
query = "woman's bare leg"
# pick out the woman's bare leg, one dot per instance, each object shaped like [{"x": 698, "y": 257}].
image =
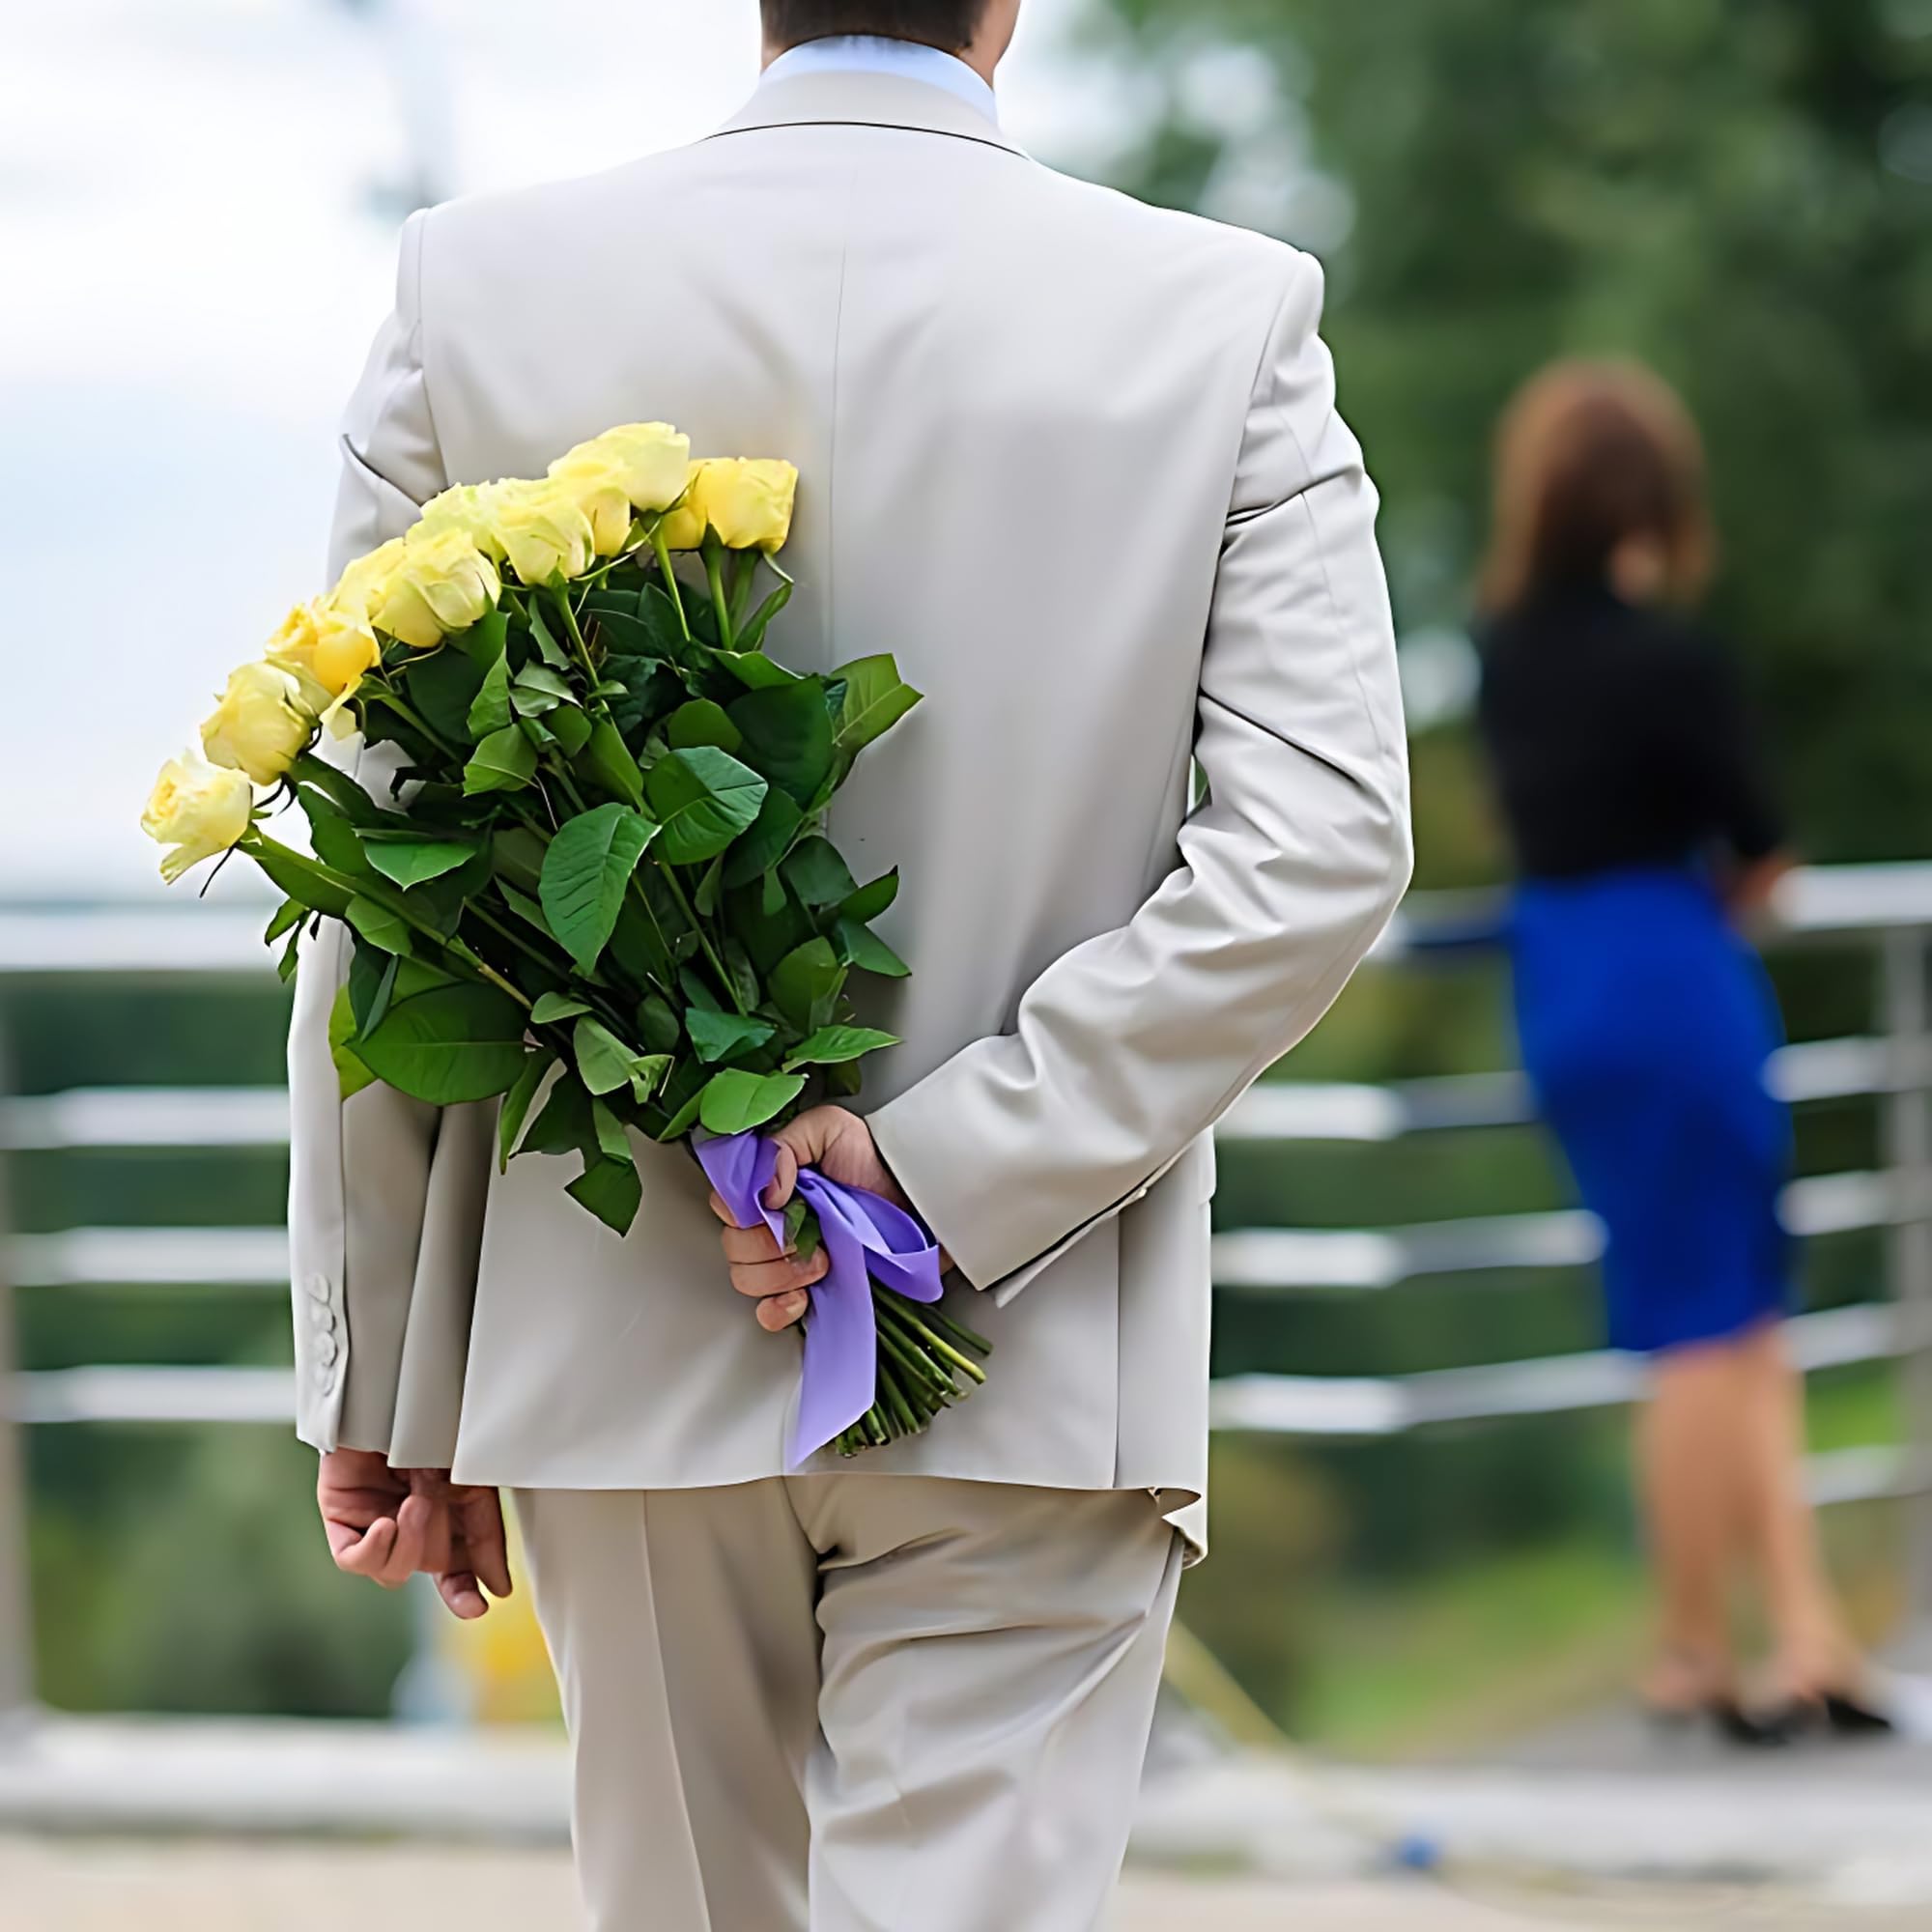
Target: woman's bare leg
[
  {"x": 1814, "y": 1650},
  {"x": 1688, "y": 1440}
]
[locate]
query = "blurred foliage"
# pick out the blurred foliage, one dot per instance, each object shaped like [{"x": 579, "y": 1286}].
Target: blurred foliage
[{"x": 1737, "y": 192}]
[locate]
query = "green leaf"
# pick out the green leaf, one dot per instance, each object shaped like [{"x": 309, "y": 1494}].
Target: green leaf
[
  {"x": 830, "y": 1045},
  {"x": 704, "y": 798},
  {"x": 586, "y": 873},
  {"x": 752, "y": 636},
  {"x": 867, "y": 951},
  {"x": 610, "y": 1131},
  {"x": 735, "y": 1101},
  {"x": 742, "y": 975},
  {"x": 571, "y": 727},
  {"x": 413, "y": 862},
  {"x": 549, "y": 649},
  {"x": 351, "y": 1072},
  {"x": 817, "y": 874},
  {"x": 658, "y": 1024},
  {"x": 518, "y": 854},
  {"x": 611, "y": 1190},
  {"x": 291, "y": 915},
  {"x": 452, "y": 1045},
  {"x": 486, "y": 640},
  {"x": 603, "y": 1063},
  {"x": 539, "y": 688},
  {"x": 705, "y": 900},
  {"x": 702, "y": 721},
  {"x": 765, "y": 840},
  {"x": 301, "y": 878},
  {"x": 444, "y": 685},
  {"x": 524, "y": 907},
  {"x": 517, "y": 1103},
  {"x": 490, "y": 711},
  {"x": 647, "y": 1074},
  {"x": 755, "y": 670},
  {"x": 504, "y": 761},
  {"x": 771, "y": 895},
  {"x": 310, "y": 769},
  {"x": 565, "y": 1125},
  {"x": 717, "y": 1036},
  {"x": 334, "y": 838},
  {"x": 787, "y": 734},
  {"x": 870, "y": 901},
  {"x": 876, "y": 698},
  {"x": 378, "y": 925},
  {"x": 805, "y": 981},
  {"x": 684, "y": 1120},
  {"x": 555, "y": 1007},
  {"x": 611, "y": 768}
]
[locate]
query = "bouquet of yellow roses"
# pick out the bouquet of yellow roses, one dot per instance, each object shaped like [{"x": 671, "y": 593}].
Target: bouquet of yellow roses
[{"x": 599, "y": 888}]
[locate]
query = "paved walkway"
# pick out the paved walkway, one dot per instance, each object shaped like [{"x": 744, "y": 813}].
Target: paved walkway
[{"x": 83, "y": 1884}]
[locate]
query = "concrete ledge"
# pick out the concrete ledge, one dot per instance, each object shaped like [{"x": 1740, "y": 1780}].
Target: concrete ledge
[{"x": 1838, "y": 1829}]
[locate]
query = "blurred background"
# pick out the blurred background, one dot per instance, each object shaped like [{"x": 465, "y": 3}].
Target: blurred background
[{"x": 1426, "y": 1550}]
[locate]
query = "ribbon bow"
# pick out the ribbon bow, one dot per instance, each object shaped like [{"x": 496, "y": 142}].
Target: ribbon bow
[{"x": 867, "y": 1239}]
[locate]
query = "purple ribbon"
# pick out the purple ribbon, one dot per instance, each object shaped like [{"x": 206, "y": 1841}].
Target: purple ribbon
[{"x": 867, "y": 1239}]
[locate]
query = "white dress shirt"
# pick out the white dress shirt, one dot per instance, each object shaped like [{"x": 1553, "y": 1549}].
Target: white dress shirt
[{"x": 877, "y": 53}]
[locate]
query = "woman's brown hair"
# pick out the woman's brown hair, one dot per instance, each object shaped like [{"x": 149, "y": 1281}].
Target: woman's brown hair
[{"x": 1588, "y": 455}]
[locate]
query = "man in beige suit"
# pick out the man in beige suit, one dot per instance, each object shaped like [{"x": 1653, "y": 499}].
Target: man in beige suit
[{"x": 1077, "y": 461}]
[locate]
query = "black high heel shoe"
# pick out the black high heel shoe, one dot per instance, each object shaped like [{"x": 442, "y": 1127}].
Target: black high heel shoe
[
  {"x": 1839, "y": 1713},
  {"x": 1728, "y": 1719}
]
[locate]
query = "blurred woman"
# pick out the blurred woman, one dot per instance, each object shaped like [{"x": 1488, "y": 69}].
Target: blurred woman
[{"x": 1646, "y": 833}]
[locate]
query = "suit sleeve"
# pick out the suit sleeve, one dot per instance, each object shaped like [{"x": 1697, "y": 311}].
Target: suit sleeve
[
  {"x": 359, "y": 1172},
  {"x": 1133, "y": 1045}
]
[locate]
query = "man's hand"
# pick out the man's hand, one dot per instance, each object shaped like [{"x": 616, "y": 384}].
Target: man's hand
[
  {"x": 839, "y": 1144},
  {"x": 388, "y": 1523}
]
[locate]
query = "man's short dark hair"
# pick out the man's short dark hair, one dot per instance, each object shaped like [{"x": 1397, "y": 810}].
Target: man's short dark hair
[{"x": 949, "y": 24}]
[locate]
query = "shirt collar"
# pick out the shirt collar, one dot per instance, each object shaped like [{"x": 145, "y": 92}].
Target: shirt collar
[{"x": 876, "y": 53}]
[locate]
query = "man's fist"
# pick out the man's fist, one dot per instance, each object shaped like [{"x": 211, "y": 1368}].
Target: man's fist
[
  {"x": 388, "y": 1523},
  {"x": 839, "y": 1144}
]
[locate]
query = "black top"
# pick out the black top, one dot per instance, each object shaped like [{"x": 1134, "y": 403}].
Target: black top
[{"x": 1620, "y": 737}]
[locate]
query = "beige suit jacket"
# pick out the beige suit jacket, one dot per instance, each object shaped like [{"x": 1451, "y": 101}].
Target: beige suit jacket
[{"x": 1076, "y": 462}]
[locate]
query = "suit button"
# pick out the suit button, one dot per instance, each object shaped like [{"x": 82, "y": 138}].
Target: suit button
[
  {"x": 325, "y": 1349},
  {"x": 326, "y": 1380},
  {"x": 316, "y": 1286}
]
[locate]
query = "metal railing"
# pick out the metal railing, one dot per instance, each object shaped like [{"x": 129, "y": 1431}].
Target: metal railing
[{"x": 1888, "y": 908}]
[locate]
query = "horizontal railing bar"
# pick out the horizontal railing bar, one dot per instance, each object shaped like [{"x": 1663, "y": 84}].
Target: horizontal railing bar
[
  {"x": 1251, "y": 1258},
  {"x": 151, "y": 1257},
  {"x": 1385, "y": 1405},
  {"x": 1292, "y": 1259},
  {"x": 111, "y": 1118},
  {"x": 155, "y": 1395}
]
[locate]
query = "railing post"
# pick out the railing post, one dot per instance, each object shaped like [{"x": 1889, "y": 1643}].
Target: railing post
[
  {"x": 17, "y": 1641},
  {"x": 1908, "y": 1139}
]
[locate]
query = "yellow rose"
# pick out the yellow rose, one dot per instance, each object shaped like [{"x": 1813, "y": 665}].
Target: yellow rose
[
  {"x": 683, "y": 528},
  {"x": 594, "y": 481},
  {"x": 361, "y": 585},
  {"x": 440, "y": 583},
  {"x": 747, "y": 503},
  {"x": 197, "y": 808},
  {"x": 543, "y": 533},
  {"x": 259, "y": 724},
  {"x": 326, "y": 649},
  {"x": 469, "y": 507},
  {"x": 652, "y": 459}
]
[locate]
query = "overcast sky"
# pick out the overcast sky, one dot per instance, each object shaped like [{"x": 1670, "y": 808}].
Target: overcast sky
[{"x": 198, "y": 203}]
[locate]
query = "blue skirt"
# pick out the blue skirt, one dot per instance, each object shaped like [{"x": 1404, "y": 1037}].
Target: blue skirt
[{"x": 1645, "y": 1025}]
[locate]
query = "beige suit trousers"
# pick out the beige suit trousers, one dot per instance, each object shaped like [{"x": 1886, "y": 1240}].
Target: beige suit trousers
[{"x": 853, "y": 1703}]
